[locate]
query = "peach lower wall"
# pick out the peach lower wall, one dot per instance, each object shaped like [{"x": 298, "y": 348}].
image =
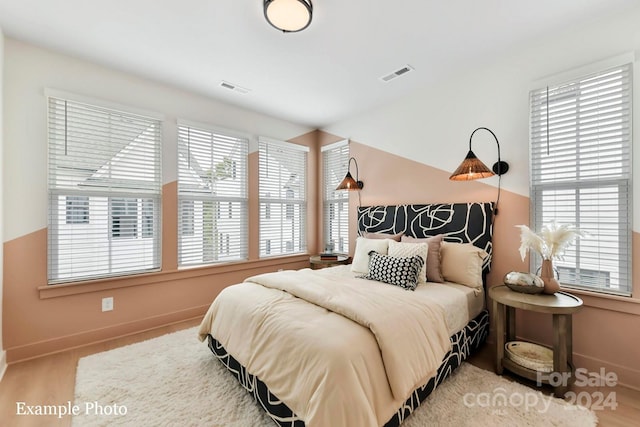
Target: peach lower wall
[
  {"x": 40, "y": 319},
  {"x": 391, "y": 180},
  {"x": 603, "y": 328}
]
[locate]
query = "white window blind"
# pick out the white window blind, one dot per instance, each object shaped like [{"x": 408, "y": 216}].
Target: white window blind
[
  {"x": 212, "y": 195},
  {"x": 335, "y": 162},
  {"x": 104, "y": 192},
  {"x": 581, "y": 174},
  {"x": 283, "y": 202}
]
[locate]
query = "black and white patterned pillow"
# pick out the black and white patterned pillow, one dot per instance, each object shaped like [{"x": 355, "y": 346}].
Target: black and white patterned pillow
[{"x": 399, "y": 271}]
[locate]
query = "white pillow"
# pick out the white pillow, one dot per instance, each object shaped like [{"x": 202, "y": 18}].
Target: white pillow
[
  {"x": 434, "y": 273},
  {"x": 462, "y": 263},
  {"x": 397, "y": 249},
  {"x": 360, "y": 263}
]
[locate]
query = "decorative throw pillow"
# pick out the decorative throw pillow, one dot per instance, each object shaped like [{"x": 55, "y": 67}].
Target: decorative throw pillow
[
  {"x": 462, "y": 263},
  {"x": 398, "y": 249},
  {"x": 434, "y": 272},
  {"x": 368, "y": 235},
  {"x": 360, "y": 263},
  {"x": 399, "y": 271}
]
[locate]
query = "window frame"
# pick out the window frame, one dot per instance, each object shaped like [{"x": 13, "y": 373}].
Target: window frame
[
  {"x": 340, "y": 201},
  {"x": 270, "y": 205},
  {"x": 561, "y": 93},
  {"x": 100, "y": 195},
  {"x": 220, "y": 249}
]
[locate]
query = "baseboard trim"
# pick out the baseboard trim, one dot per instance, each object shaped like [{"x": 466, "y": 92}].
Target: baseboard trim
[
  {"x": 60, "y": 344},
  {"x": 627, "y": 377}
]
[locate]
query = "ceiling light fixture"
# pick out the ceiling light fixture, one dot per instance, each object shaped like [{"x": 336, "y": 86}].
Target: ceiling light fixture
[{"x": 288, "y": 16}]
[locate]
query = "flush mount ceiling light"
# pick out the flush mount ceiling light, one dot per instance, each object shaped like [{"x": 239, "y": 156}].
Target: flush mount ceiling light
[{"x": 288, "y": 16}]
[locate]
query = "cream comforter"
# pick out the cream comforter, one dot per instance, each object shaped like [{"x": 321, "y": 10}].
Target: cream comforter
[{"x": 350, "y": 358}]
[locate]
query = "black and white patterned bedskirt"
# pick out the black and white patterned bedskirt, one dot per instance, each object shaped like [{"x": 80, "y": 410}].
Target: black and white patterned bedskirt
[{"x": 464, "y": 343}]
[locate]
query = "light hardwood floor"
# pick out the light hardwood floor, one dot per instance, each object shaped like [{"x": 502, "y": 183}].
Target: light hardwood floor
[
  {"x": 49, "y": 380},
  {"x": 626, "y": 414}
]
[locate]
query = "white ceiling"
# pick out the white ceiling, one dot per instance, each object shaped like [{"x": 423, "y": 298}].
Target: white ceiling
[{"x": 323, "y": 74}]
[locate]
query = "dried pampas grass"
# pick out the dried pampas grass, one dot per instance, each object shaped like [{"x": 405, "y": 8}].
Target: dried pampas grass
[{"x": 551, "y": 242}]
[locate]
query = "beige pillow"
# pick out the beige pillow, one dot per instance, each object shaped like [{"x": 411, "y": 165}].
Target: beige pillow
[
  {"x": 434, "y": 273},
  {"x": 368, "y": 235},
  {"x": 360, "y": 263},
  {"x": 406, "y": 250},
  {"x": 462, "y": 263}
]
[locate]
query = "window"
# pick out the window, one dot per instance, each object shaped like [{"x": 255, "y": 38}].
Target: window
[
  {"x": 77, "y": 210},
  {"x": 186, "y": 218},
  {"x": 147, "y": 218},
  {"x": 283, "y": 203},
  {"x": 212, "y": 195},
  {"x": 335, "y": 162},
  {"x": 104, "y": 192},
  {"x": 581, "y": 174},
  {"x": 267, "y": 206},
  {"x": 124, "y": 218}
]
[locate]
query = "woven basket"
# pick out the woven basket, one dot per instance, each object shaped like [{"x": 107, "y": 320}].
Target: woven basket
[{"x": 529, "y": 355}]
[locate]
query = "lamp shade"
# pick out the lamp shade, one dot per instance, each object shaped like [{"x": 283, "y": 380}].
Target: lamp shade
[
  {"x": 288, "y": 16},
  {"x": 349, "y": 184},
  {"x": 471, "y": 168}
]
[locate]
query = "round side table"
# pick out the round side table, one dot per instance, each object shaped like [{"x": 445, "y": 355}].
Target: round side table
[
  {"x": 317, "y": 262},
  {"x": 560, "y": 305}
]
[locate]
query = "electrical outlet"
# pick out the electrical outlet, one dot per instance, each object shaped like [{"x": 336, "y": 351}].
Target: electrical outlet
[{"x": 107, "y": 304}]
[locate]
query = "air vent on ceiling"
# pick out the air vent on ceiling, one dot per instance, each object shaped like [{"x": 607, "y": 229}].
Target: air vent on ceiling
[
  {"x": 234, "y": 88},
  {"x": 397, "y": 73}
]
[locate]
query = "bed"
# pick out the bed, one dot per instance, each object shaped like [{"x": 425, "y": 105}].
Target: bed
[{"x": 326, "y": 347}]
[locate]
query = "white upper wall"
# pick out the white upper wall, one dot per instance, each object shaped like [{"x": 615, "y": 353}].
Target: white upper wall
[
  {"x": 30, "y": 70},
  {"x": 433, "y": 125}
]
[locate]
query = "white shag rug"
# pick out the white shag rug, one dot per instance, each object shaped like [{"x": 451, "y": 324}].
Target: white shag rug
[{"x": 174, "y": 380}]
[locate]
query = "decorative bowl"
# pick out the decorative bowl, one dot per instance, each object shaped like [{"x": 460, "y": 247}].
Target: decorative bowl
[
  {"x": 529, "y": 355},
  {"x": 527, "y": 283}
]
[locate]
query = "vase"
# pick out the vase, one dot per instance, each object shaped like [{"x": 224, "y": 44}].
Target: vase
[{"x": 551, "y": 285}]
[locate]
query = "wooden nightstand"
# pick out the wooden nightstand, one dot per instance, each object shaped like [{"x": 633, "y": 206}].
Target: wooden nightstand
[
  {"x": 561, "y": 305},
  {"x": 318, "y": 263}
]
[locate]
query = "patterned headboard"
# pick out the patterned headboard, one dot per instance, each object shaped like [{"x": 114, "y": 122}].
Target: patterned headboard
[{"x": 459, "y": 222}]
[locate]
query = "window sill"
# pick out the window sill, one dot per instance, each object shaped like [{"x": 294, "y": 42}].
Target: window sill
[
  {"x": 62, "y": 290},
  {"x": 617, "y": 303}
]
